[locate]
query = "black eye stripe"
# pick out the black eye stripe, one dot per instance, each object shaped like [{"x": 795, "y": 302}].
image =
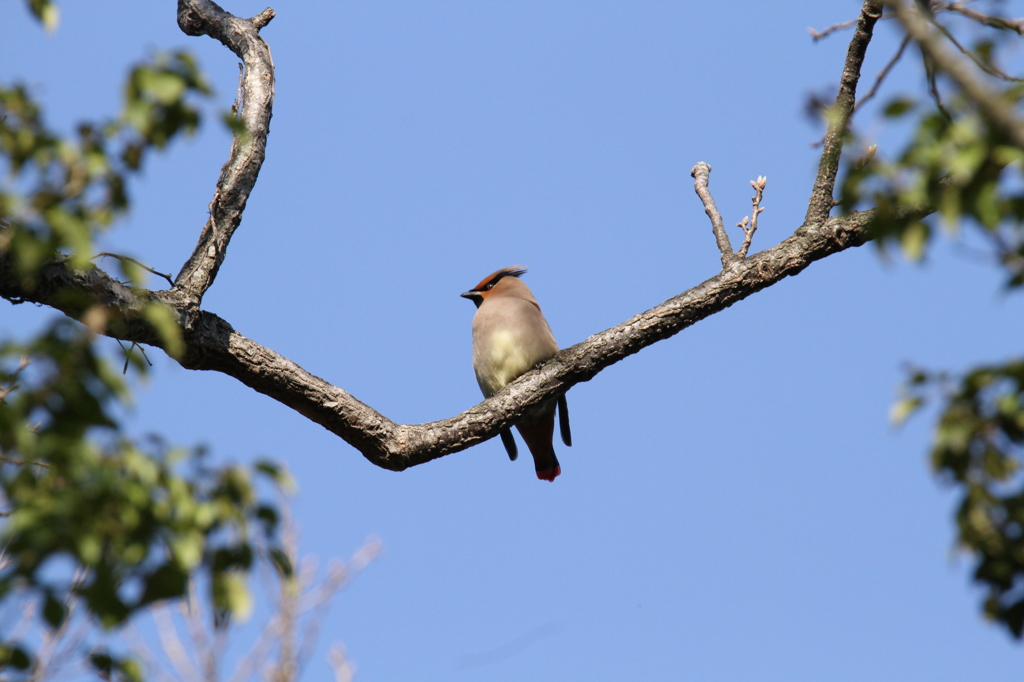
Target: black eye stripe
[{"x": 497, "y": 278}]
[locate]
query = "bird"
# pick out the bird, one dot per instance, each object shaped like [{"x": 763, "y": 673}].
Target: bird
[{"x": 511, "y": 337}]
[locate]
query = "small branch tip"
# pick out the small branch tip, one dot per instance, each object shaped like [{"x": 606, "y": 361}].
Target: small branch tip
[{"x": 263, "y": 18}]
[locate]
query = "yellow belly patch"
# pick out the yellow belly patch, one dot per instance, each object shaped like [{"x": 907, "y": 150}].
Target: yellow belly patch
[{"x": 508, "y": 359}]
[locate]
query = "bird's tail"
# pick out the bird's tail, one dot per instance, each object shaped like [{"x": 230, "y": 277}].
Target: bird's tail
[{"x": 537, "y": 431}]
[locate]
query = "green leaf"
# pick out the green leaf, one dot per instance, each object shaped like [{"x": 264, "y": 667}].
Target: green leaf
[
  {"x": 14, "y": 657},
  {"x": 913, "y": 240},
  {"x": 282, "y": 562},
  {"x": 163, "y": 86},
  {"x": 951, "y": 208},
  {"x": 47, "y": 12},
  {"x": 236, "y": 126},
  {"x": 898, "y": 107},
  {"x": 102, "y": 662},
  {"x": 231, "y": 596},
  {"x": 166, "y": 325},
  {"x": 902, "y": 409},
  {"x": 167, "y": 582},
  {"x": 54, "y": 612},
  {"x": 986, "y": 205},
  {"x": 187, "y": 549}
]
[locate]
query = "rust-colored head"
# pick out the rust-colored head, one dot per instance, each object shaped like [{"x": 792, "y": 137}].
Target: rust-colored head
[{"x": 504, "y": 282}]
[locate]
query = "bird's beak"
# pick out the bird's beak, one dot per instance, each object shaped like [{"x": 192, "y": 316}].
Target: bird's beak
[{"x": 474, "y": 296}]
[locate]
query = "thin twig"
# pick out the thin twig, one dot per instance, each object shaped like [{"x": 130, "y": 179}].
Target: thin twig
[
  {"x": 192, "y": 614},
  {"x": 128, "y": 352},
  {"x": 338, "y": 577},
  {"x": 141, "y": 649},
  {"x": 237, "y": 105},
  {"x": 933, "y": 89},
  {"x": 141, "y": 265},
  {"x": 338, "y": 660},
  {"x": 749, "y": 224},
  {"x": 170, "y": 642},
  {"x": 1001, "y": 23},
  {"x": 987, "y": 68},
  {"x": 883, "y": 73},
  {"x": 818, "y": 35},
  {"x": 13, "y": 385},
  {"x": 701, "y": 175}
]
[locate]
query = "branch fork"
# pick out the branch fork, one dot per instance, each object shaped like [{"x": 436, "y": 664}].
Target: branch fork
[
  {"x": 211, "y": 343},
  {"x": 701, "y": 174}
]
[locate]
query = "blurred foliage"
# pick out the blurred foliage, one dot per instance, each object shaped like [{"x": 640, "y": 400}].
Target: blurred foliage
[
  {"x": 75, "y": 487},
  {"x": 91, "y": 516},
  {"x": 955, "y": 163},
  {"x": 46, "y": 12},
  {"x": 977, "y": 447},
  {"x": 960, "y": 175},
  {"x": 64, "y": 189}
]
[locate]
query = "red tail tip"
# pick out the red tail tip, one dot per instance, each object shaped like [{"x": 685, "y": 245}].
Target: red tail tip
[{"x": 549, "y": 474}]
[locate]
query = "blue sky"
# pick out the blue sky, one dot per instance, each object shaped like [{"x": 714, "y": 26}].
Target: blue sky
[{"x": 735, "y": 505}]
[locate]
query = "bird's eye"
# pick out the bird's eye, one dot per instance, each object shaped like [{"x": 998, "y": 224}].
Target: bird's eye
[{"x": 488, "y": 287}]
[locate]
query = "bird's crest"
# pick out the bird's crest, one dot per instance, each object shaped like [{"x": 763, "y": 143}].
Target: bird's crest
[{"x": 488, "y": 282}]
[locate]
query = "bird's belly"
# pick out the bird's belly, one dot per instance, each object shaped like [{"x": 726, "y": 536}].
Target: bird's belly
[{"x": 507, "y": 358}]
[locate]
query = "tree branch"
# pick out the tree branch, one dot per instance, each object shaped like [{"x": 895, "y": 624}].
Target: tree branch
[
  {"x": 821, "y": 202},
  {"x": 248, "y": 149},
  {"x": 997, "y": 109},
  {"x": 749, "y": 223},
  {"x": 211, "y": 343}
]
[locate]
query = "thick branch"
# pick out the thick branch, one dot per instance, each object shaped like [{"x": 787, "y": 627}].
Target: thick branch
[
  {"x": 238, "y": 176},
  {"x": 997, "y": 109},
  {"x": 211, "y": 344},
  {"x": 821, "y": 202}
]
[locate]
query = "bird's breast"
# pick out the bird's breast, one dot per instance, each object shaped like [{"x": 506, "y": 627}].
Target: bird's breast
[
  {"x": 506, "y": 358},
  {"x": 506, "y": 346}
]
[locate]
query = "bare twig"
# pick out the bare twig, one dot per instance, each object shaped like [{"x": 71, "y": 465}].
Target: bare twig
[
  {"x": 933, "y": 89},
  {"x": 883, "y": 73},
  {"x": 6, "y": 390},
  {"x": 172, "y": 646},
  {"x": 263, "y": 18},
  {"x": 236, "y": 106},
  {"x": 818, "y": 35},
  {"x": 990, "y": 69},
  {"x": 204, "y": 649},
  {"x": 128, "y": 351},
  {"x": 339, "y": 575},
  {"x": 821, "y": 201},
  {"x": 701, "y": 174},
  {"x": 141, "y": 649},
  {"x": 1002, "y": 23},
  {"x": 338, "y": 660},
  {"x": 58, "y": 645},
  {"x": 749, "y": 223},
  {"x": 132, "y": 260}
]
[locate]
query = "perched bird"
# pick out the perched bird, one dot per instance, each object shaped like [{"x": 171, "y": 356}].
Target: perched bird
[{"x": 510, "y": 337}]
